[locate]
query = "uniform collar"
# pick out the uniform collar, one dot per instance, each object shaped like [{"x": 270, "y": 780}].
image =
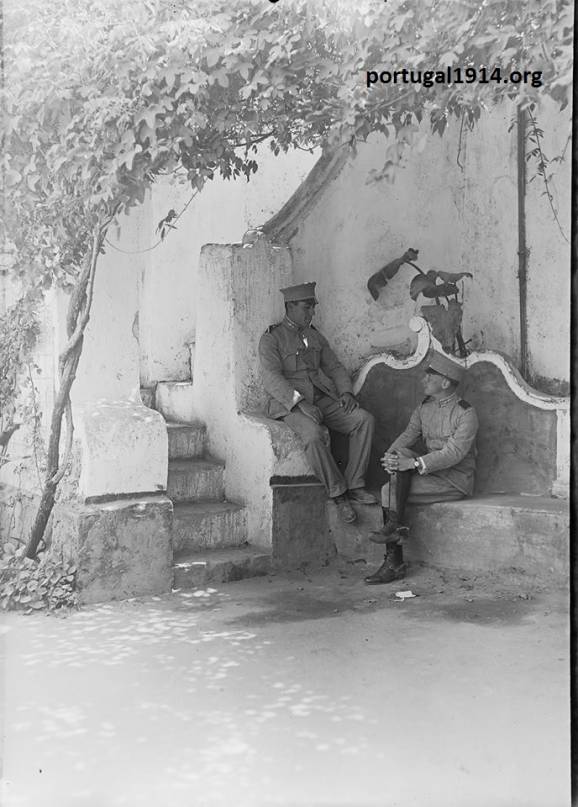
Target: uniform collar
[
  {"x": 293, "y": 327},
  {"x": 450, "y": 399}
]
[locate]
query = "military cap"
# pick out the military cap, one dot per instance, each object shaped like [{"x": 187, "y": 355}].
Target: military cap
[
  {"x": 445, "y": 366},
  {"x": 304, "y": 291}
]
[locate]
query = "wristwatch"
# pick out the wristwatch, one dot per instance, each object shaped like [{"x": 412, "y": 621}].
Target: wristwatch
[{"x": 416, "y": 465}]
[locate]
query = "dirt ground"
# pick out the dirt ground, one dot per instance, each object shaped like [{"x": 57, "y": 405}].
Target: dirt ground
[{"x": 309, "y": 689}]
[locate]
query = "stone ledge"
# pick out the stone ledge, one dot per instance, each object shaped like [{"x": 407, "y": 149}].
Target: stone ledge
[
  {"x": 195, "y": 569},
  {"x": 121, "y": 548},
  {"x": 500, "y": 534},
  {"x": 527, "y": 533}
]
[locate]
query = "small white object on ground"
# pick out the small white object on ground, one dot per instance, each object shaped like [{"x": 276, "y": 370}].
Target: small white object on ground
[{"x": 405, "y": 595}]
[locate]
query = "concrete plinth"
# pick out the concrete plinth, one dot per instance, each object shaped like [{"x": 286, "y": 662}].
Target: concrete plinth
[
  {"x": 300, "y": 533},
  {"x": 123, "y": 449},
  {"x": 525, "y": 533},
  {"x": 351, "y": 540},
  {"x": 122, "y": 548},
  {"x": 502, "y": 534}
]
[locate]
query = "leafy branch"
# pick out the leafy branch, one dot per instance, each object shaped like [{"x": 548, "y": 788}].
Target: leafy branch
[{"x": 535, "y": 136}]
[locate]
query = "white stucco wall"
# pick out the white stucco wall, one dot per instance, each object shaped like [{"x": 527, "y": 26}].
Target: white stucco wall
[
  {"x": 120, "y": 445},
  {"x": 460, "y": 220},
  {"x": 110, "y": 356},
  {"x": 221, "y": 213},
  {"x": 143, "y": 316}
]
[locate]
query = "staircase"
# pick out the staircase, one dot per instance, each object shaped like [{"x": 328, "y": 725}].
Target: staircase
[{"x": 209, "y": 533}]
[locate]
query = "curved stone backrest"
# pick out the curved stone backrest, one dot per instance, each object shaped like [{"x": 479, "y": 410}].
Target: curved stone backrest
[{"x": 523, "y": 440}]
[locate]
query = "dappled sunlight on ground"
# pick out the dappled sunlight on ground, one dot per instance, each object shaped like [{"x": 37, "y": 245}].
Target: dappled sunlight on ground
[{"x": 261, "y": 693}]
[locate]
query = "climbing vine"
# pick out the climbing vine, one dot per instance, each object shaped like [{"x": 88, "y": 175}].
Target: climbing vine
[
  {"x": 19, "y": 331},
  {"x": 102, "y": 98}
]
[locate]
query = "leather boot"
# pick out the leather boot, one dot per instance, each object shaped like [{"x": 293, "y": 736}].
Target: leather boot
[
  {"x": 388, "y": 533},
  {"x": 392, "y": 568}
]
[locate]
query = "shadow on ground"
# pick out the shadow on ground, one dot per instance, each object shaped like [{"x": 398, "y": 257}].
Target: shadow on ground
[{"x": 481, "y": 600}]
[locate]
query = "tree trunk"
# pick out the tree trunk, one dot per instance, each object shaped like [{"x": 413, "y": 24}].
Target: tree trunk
[
  {"x": 78, "y": 316},
  {"x": 53, "y": 469}
]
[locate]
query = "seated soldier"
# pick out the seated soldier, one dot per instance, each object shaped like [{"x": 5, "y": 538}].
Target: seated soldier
[
  {"x": 445, "y": 472},
  {"x": 309, "y": 389}
]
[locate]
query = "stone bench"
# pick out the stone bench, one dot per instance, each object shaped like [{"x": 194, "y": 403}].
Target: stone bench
[
  {"x": 512, "y": 522},
  {"x": 524, "y": 436},
  {"x": 501, "y": 534},
  {"x": 518, "y": 518}
]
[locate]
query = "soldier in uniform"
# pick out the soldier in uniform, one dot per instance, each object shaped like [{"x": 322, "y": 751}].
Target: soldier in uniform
[
  {"x": 445, "y": 472},
  {"x": 309, "y": 389}
]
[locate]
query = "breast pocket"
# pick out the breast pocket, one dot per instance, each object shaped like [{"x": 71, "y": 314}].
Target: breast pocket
[
  {"x": 289, "y": 361},
  {"x": 310, "y": 358}
]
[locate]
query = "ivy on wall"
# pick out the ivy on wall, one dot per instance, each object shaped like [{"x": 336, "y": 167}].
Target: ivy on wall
[{"x": 19, "y": 330}]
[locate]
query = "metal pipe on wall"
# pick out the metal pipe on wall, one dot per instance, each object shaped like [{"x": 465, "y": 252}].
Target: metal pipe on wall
[{"x": 522, "y": 122}]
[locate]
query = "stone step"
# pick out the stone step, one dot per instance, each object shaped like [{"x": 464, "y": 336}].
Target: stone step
[
  {"x": 175, "y": 401},
  {"x": 147, "y": 396},
  {"x": 500, "y": 533},
  {"x": 196, "y": 479},
  {"x": 186, "y": 440},
  {"x": 208, "y": 525},
  {"x": 197, "y": 569}
]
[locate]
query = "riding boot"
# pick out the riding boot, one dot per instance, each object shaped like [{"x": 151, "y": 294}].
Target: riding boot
[
  {"x": 400, "y": 484},
  {"x": 392, "y": 568},
  {"x": 387, "y": 533}
]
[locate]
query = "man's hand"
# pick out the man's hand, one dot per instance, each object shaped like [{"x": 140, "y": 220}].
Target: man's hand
[
  {"x": 393, "y": 463},
  {"x": 310, "y": 411},
  {"x": 348, "y": 402}
]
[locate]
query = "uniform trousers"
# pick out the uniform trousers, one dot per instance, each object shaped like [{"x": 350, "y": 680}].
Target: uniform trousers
[{"x": 359, "y": 425}]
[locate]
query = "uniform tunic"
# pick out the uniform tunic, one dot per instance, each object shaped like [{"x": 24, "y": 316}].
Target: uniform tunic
[
  {"x": 448, "y": 428},
  {"x": 298, "y": 365}
]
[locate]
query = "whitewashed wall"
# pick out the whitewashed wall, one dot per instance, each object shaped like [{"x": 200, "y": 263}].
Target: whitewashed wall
[
  {"x": 461, "y": 219},
  {"x": 221, "y": 213}
]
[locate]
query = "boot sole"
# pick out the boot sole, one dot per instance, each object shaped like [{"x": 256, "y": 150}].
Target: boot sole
[{"x": 399, "y": 573}]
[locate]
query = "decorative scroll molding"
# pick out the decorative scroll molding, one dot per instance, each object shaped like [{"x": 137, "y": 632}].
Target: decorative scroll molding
[
  {"x": 427, "y": 341},
  {"x": 523, "y": 391},
  {"x": 419, "y": 326}
]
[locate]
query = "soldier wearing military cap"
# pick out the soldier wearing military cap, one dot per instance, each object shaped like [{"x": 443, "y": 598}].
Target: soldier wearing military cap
[
  {"x": 310, "y": 390},
  {"x": 445, "y": 472}
]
